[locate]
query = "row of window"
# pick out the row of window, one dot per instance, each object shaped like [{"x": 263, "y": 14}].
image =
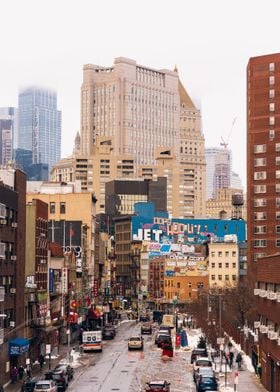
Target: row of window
[
  {"x": 261, "y": 148},
  {"x": 62, "y": 207},
  {"x": 261, "y": 243},
  {"x": 262, "y": 188},
  {"x": 170, "y": 283},
  {"x": 261, "y": 175},
  {"x": 220, "y": 265},
  {"x": 262, "y": 229},
  {"x": 221, "y": 277},
  {"x": 221, "y": 254}
]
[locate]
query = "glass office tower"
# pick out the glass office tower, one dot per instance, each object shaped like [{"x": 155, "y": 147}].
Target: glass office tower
[{"x": 40, "y": 125}]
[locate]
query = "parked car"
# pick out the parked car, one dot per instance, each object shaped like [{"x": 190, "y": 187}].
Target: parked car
[
  {"x": 45, "y": 386},
  {"x": 146, "y": 328},
  {"x": 29, "y": 384},
  {"x": 163, "y": 338},
  {"x": 144, "y": 318},
  {"x": 158, "y": 386},
  {"x": 109, "y": 332},
  {"x": 201, "y": 362},
  {"x": 198, "y": 352},
  {"x": 206, "y": 383},
  {"x": 165, "y": 328},
  {"x": 67, "y": 368},
  {"x": 203, "y": 371},
  {"x": 60, "y": 376},
  {"x": 135, "y": 342}
]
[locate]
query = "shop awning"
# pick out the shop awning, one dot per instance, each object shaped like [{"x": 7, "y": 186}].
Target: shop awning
[{"x": 18, "y": 346}]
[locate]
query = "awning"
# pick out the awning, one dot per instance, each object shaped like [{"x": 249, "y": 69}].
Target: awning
[{"x": 18, "y": 346}]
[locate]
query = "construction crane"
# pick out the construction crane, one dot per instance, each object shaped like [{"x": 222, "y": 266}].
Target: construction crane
[{"x": 223, "y": 142}]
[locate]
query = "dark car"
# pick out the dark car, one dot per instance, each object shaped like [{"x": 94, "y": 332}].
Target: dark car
[
  {"x": 163, "y": 339},
  {"x": 206, "y": 383},
  {"x": 198, "y": 352},
  {"x": 144, "y": 318},
  {"x": 29, "y": 384},
  {"x": 157, "y": 386},
  {"x": 60, "y": 376},
  {"x": 165, "y": 328},
  {"x": 203, "y": 372},
  {"x": 146, "y": 328},
  {"x": 109, "y": 332},
  {"x": 67, "y": 368}
]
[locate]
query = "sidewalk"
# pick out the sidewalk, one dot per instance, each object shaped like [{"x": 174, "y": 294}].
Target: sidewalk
[{"x": 37, "y": 372}]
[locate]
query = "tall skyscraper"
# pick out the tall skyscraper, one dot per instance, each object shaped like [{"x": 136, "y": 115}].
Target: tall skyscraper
[
  {"x": 8, "y": 133},
  {"x": 218, "y": 170},
  {"x": 40, "y": 125},
  {"x": 263, "y": 156},
  {"x": 137, "y": 105}
]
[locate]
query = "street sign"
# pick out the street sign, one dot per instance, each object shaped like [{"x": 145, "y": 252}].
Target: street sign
[{"x": 48, "y": 348}]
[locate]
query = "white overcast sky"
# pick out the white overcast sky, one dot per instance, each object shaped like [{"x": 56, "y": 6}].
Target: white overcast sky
[{"x": 47, "y": 42}]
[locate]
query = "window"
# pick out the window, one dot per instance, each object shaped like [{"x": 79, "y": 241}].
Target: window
[
  {"x": 277, "y": 161},
  {"x": 277, "y": 174},
  {"x": 259, "y": 148},
  {"x": 220, "y": 265},
  {"x": 212, "y": 254},
  {"x": 277, "y": 215},
  {"x": 277, "y": 188},
  {"x": 227, "y": 265},
  {"x": 277, "y": 200},
  {"x": 271, "y": 134},
  {"x": 271, "y": 120},
  {"x": 212, "y": 265},
  {"x": 271, "y": 80},
  {"x": 277, "y": 147},
  {"x": 212, "y": 277},
  {"x": 259, "y": 202},
  {"x": 233, "y": 254},
  {"x": 220, "y": 254},
  {"x": 52, "y": 207},
  {"x": 271, "y": 67},
  {"x": 272, "y": 107},
  {"x": 271, "y": 93},
  {"x": 227, "y": 254},
  {"x": 278, "y": 243},
  {"x": 62, "y": 207},
  {"x": 233, "y": 265},
  {"x": 178, "y": 285},
  {"x": 261, "y": 175},
  {"x": 189, "y": 285},
  {"x": 259, "y": 162},
  {"x": 259, "y": 243},
  {"x": 219, "y": 277},
  {"x": 277, "y": 229},
  {"x": 259, "y": 229},
  {"x": 2, "y": 210},
  {"x": 226, "y": 277},
  {"x": 234, "y": 277},
  {"x": 260, "y": 188},
  {"x": 260, "y": 215}
]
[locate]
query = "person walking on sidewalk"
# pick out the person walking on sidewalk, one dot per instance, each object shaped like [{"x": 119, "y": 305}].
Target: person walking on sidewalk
[
  {"x": 41, "y": 361},
  {"x": 20, "y": 372},
  {"x": 231, "y": 356},
  {"x": 239, "y": 360},
  {"x": 14, "y": 375}
]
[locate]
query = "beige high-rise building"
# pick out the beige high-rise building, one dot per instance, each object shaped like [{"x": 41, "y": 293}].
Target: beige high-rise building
[
  {"x": 137, "y": 105},
  {"x": 95, "y": 170},
  {"x": 192, "y": 155}
]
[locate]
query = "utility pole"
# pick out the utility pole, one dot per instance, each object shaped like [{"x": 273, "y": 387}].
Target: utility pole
[{"x": 220, "y": 315}]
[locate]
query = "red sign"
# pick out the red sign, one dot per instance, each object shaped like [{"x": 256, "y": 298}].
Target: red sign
[
  {"x": 95, "y": 288},
  {"x": 178, "y": 340}
]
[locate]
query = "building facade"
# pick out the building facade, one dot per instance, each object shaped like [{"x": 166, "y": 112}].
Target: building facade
[
  {"x": 39, "y": 125},
  {"x": 263, "y": 157},
  {"x": 221, "y": 206},
  {"x": 11, "y": 114},
  {"x": 134, "y": 104},
  {"x": 12, "y": 265}
]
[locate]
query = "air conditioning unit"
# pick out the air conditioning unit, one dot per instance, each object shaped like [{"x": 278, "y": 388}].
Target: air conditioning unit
[
  {"x": 263, "y": 293},
  {"x": 12, "y": 323},
  {"x": 256, "y": 291},
  {"x": 257, "y": 324},
  {"x": 272, "y": 295},
  {"x": 14, "y": 224},
  {"x": 272, "y": 335},
  {"x": 264, "y": 329},
  {"x": 13, "y": 290},
  {"x": 3, "y": 222},
  {"x": 13, "y": 257}
]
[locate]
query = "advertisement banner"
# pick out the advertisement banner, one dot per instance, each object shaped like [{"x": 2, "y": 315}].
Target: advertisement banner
[{"x": 64, "y": 280}]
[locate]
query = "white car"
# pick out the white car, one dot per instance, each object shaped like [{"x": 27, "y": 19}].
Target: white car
[
  {"x": 45, "y": 386},
  {"x": 135, "y": 342}
]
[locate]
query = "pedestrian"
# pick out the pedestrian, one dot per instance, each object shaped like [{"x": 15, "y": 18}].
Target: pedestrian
[
  {"x": 239, "y": 360},
  {"x": 41, "y": 361},
  {"x": 20, "y": 372},
  {"x": 231, "y": 357},
  {"x": 1, "y": 388},
  {"x": 14, "y": 375},
  {"x": 28, "y": 372}
]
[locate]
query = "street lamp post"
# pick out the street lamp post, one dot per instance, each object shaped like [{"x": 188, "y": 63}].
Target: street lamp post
[{"x": 68, "y": 343}]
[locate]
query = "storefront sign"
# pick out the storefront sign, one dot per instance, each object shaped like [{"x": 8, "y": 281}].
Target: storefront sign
[{"x": 64, "y": 280}]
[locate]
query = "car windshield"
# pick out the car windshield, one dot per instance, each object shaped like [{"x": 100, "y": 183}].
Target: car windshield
[
  {"x": 203, "y": 363},
  {"x": 136, "y": 338},
  {"x": 208, "y": 380}
]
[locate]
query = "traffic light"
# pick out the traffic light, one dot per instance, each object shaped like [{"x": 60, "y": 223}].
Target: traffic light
[{"x": 73, "y": 304}]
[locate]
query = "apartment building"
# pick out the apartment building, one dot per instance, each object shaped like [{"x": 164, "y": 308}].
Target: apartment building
[
  {"x": 13, "y": 345},
  {"x": 263, "y": 157}
]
